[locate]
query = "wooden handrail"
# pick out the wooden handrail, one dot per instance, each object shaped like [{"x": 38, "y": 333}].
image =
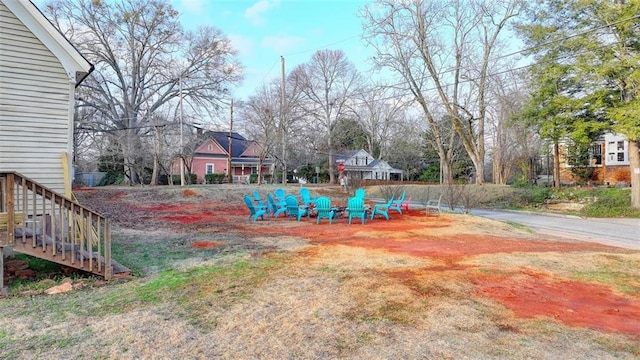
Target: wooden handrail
[{"x": 46, "y": 224}]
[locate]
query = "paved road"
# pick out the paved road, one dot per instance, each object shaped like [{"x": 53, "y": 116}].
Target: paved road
[{"x": 610, "y": 231}]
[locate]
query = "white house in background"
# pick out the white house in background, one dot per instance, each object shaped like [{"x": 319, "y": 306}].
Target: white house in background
[
  {"x": 39, "y": 71},
  {"x": 360, "y": 164}
]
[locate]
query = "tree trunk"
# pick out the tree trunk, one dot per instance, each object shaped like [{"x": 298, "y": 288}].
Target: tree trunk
[
  {"x": 556, "y": 165},
  {"x": 156, "y": 159},
  {"x": 478, "y": 164},
  {"x": 634, "y": 165}
]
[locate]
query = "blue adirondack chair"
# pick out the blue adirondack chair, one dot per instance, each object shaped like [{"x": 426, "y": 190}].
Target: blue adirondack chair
[
  {"x": 356, "y": 209},
  {"x": 255, "y": 211},
  {"x": 360, "y": 193},
  {"x": 305, "y": 195},
  {"x": 276, "y": 208},
  {"x": 258, "y": 199},
  {"x": 382, "y": 209},
  {"x": 295, "y": 209},
  {"x": 280, "y": 195},
  {"x": 324, "y": 209},
  {"x": 397, "y": 204}
]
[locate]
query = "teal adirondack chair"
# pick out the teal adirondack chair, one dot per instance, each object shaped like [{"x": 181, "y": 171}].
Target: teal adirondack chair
[
  {"x": 305, "y": 195},
  {"x": 323, "y": 209},
  {"x": 258, "y": 199},
  {"x": 360, "y": 193},
  {"x": 276, "y": 208},
  {"x": 295, "y": 209},
  {"x": 397, "y": 204},
  {"x": 255, "y": 211},
  {"x": 280, "y": 195},
  {"x": 382, "y": 209},
  {"x": 355, "y": 207}
]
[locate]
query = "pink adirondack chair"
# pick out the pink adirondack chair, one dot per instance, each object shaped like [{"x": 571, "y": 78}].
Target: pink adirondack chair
[{"x": 405, "y": 204}]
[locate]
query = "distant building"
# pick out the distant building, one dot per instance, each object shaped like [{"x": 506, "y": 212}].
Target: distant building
[
  {"x": 360, "y": 164},
  {"x": 609, "y": 158},
  {"x": 212, "y": 157}
]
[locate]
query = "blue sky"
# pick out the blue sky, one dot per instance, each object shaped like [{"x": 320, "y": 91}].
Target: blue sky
[{"x": 264, "y": 30}]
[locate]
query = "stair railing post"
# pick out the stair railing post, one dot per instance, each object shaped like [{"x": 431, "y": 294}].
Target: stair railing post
[
  {"x": 10, "y": 208},
  {"x": 108, "y": 267}
]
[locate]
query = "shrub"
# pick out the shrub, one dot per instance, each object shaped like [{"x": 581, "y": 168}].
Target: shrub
[
  {"x": 188, "y": 178},
  {"x": 112, "y": 178},
  {"x": 536, "y": 194},
  {"x": 215, "y": 178}
]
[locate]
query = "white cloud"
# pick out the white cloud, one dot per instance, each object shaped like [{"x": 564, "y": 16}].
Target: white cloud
[
  {"x": 192, "y": 6},
  {"x": 281, "y": 44},
  {"x": 256, "y": 11},
  {"x": 243, "y": 44}
]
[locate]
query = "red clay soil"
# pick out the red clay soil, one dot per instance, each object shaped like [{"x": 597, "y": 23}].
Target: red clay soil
[
  {"x": 206, "y": 244},
  {"x": 574, "y": 303}
]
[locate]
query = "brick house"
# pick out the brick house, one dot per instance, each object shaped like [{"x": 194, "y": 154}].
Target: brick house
[{"x": 609, "y": 158}]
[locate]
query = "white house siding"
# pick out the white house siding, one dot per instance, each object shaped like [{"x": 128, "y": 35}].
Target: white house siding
[{"x": 34, "y": 105}]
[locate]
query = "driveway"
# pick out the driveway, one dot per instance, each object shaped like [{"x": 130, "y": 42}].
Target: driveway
[{"x": 610, "y": 231}]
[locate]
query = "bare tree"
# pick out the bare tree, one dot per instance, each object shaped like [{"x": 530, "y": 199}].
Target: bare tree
[
  {"x": 381, "y": 111},
  {"x": 444, "y": 47},
  {"x": 142, "y": 55},
  {"x": 329, "y": 82},
  {"x": 259, "y": 114},
  {"x": 511, "y": 140}
]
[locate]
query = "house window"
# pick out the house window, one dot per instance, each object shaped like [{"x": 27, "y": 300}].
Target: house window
[
  {"x": 617, "y": 153},
  {"x": 595, "y": 154},
  {"x": 209, "y": 169},
  {"x": 210, "y": 147}
]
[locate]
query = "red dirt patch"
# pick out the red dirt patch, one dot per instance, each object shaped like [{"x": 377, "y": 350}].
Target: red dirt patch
[
  {"x": 118, "y": 195},
  {"x": 574, "y": 303},
  {"x": 84, "y": 189},
  {"x": 193, "y": 218},
  {"x": 405, "y": 235},
  {"x": 206, "y": 244},
  {"x": 188, "y": 193}
]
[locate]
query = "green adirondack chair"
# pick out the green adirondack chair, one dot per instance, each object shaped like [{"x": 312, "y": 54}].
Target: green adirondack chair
[
  {"x": 255, "y": 210},
  {"x": 305, "y": 195},
  {"x": 356, "y": 209},
  {"x": 397, "y": 204},
  {"x": 324, "y": 209},
  {"x": 382, "y": 209},
  {"x": 276, "y": 208},
  {"x": 295, "y": 209}
]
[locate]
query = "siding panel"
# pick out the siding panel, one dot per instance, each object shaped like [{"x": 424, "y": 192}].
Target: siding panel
[{"x": 34, "y": 105}]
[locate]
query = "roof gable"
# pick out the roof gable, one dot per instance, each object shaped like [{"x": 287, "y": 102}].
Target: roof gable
[
  {"x": 253, "y": 150},
  {"x": 351, "y": 154},
  {"x": 211, "y": 147},
  {"x": 238, "y": 142},
  {"x": 75, "y": 65}
]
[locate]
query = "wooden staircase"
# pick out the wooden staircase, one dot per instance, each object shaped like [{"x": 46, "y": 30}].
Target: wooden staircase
[{"x": 39, "y": 222}]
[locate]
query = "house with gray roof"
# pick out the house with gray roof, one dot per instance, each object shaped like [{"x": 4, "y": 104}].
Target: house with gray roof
[{"x": 361, "y": 165}]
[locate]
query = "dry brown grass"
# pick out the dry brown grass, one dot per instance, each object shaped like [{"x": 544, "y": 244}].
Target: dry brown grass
[{"x": 303, "y": 298}]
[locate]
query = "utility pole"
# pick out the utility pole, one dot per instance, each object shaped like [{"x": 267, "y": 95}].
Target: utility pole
[
  {"x": 282, "y": 127},
  {"x": 229, "y": 172},
  {"x": 182, "y": 182}
]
